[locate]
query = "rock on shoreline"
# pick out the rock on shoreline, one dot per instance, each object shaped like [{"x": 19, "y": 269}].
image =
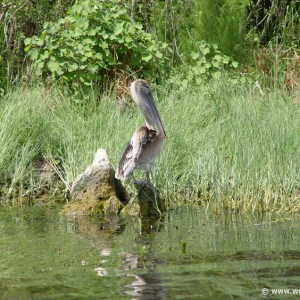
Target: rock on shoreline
[{"x": 97, "y": 191}]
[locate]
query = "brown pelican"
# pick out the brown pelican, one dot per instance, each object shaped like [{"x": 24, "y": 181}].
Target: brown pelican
[{"x": 146, "y": 143}]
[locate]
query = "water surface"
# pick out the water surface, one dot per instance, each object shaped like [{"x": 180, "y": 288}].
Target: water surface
[{"x": 184, "y": 255}]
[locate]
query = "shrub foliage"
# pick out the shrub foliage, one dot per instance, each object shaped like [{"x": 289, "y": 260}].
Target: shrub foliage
[{"x": 95, "y": 41}]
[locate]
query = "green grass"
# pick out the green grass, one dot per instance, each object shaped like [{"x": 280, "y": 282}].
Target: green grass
[
  {"x": 237, "y": 149},
  {"x": 228, "y": 147}
]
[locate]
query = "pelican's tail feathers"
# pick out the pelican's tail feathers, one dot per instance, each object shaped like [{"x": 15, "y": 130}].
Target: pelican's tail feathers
[{"x": 126, "y": 165}]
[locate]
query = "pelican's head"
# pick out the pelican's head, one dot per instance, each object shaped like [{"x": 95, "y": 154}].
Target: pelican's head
[{"x": 142, "y": 96}]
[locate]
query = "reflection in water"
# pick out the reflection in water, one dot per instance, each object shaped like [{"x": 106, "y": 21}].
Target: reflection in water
[
  {"x": 101, "y": 271},
  {"x": 185, "y": 255},
  {"x": 136, "y": 287},
  {"x": 145, "y": 286}
]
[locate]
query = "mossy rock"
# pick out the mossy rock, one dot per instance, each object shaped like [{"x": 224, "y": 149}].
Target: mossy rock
[
  {"x": 92, "y": 207},
  {"x": 96, "y": 191}
]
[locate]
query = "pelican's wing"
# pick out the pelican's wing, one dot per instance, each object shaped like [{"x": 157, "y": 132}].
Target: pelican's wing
[
  {"x": 132, "y": 153},
  {"x": 126, "y": 164}
]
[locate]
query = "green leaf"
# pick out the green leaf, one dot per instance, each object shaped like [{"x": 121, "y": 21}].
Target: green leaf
[
  {"x": 99, "y": 56},
  {"x": 44, "y": 55},
  {"x": 76, "y": 9},
  {"x": 218, "y": 57},
  {"x": 113, "y": 37},
  {"x": 131, "y": 29},
  {"x": 128, "y": 39},
  {"x": 119, "y": 29},
  {"x": 158, "y": 54},
  {"x": 26, "y": 49},
  {"x": 46, "y": 25},
  {"x": 235, "y": 64},
  {"x": 194, "y": 55},
  {"x": 72, "y": 67},
  {"x": 88, "y": 54},
  {"x": 207, "y": 65},
  {"x": 225, "y": 60},
  {"x": 88, "y": 41},
  {"x": 71, "y": 19},
  {"x": 40, "y": 64},
  {"x": 33, "y": 54},
  {"x": 203, "y": 60},
  {"x": 93, "y": 69},
  {"x": 103, "y": 45},
  {"x": 164, "y": 45},
  {"x": 61, "y": 21},
  {"x": 147, "y": 58},
  {"x": 53, "y": 66},
  {"x": 110, "y": 59},
  {"x": 38, "y": 71},
  {"x": 39, "y": 42},
  {"x": 138, "y": 26},
  {"x": 215, "y": 63},
  {"x": 205, "y": 51},
  {"x": 60, "y": 71},
  {"x": 43, "y": 35},
  {"x": 52, "y": 44},
  {"x": 53, "y": 29},
  {"x": 104, "y": 36},
  {"x": 82, "y": 23},
  {"x": 66, "y": 34},
  {"x": 216, "y": 75},
  {"x": 83, "y": 79},
  {"x": 92, "y": 31},
  {"x": 202, "y": 70},
  {"x": 27, "y": 41}
]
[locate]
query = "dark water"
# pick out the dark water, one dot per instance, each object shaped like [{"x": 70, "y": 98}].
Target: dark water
[{"x": 185, "y": 255}]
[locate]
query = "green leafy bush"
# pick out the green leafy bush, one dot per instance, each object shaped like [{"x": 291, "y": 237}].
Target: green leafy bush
[
  {"x": 95, "y": 41},
  {"x": 208, "y": 63}
]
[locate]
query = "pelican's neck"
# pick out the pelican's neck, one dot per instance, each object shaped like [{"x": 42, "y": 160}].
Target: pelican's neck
[{"x": 146, "y": 104}]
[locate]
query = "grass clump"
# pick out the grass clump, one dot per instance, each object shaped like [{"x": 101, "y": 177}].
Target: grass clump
[
  {"x": 234, "y": 148},
  {"x": 25, "y": 125},
  {"x": 44, "y": 130},
  {"x": 228, "y": 147}
]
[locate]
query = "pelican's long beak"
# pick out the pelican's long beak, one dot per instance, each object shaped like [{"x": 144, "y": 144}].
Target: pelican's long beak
[{"x": 149, "y": 110}]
